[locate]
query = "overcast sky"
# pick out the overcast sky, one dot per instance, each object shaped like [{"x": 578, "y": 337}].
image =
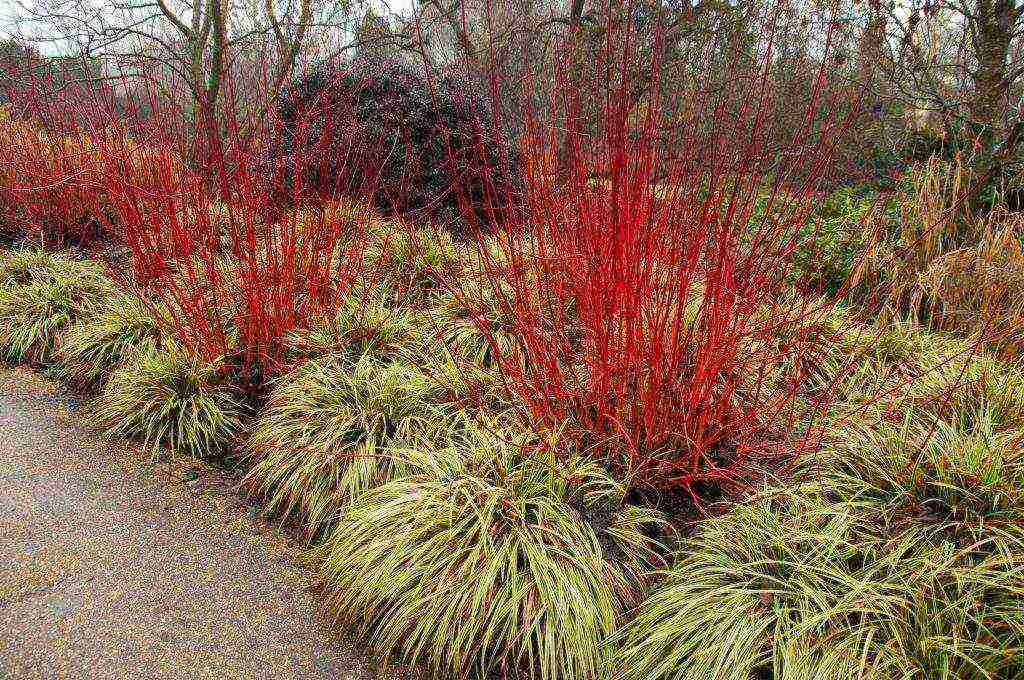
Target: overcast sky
[{"x": 10, "y": 12}]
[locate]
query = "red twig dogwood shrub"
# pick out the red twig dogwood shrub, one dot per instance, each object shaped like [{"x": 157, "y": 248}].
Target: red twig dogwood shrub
[
  {"x": 239, "y": 246},
  {"x": 49, "y": 184},
  {"x": 54, "y": 181},
  {"x": 210, "y": 242},
  {"x": 50, "y": 166},
  {"x": 236, "y": 273},
  {"x": 649, "y": 281}
]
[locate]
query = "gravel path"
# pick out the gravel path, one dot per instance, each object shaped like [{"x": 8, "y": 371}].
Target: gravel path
[{"x": 111, "y": 567}]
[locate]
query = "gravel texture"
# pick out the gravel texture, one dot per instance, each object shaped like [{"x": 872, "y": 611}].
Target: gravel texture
[{"x": 112, "y": 566}]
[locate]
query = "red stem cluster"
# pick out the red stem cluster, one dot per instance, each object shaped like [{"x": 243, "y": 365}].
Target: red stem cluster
[
  {"x": 228, "y": 243},
  {"x": 650, "y": 282}
]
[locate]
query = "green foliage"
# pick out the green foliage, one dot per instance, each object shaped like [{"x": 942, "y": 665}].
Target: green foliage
[
  {"x": 42, "y": 296},
  {"x": 487, "y": 557},
  {"x": 322, "y": 438},
  {"x": 966, "y": 386},
  {"x": 962, "y": 480},
  {"x": 950, "y": 614},
  {"x": 902, "y": 366},
  {"x": 834, "y": 236},
  {"x": 171, "y": 398},
  {"x": 925, "y": 143},
  {"x": 942, "y": 503},
  {"x": 899, "y": 343},
  {"x": 425, "y": 249},
  {"x": 122, "y": 328},
  {"x": 791, "y": 588},
  {"x": 427, "y": 254},
  {"x": 325, "y": 336},
  {"x": 461, "y": 382}
]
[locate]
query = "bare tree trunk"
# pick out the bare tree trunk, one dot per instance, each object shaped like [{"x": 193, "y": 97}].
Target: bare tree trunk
[
  {"x": 995, "y": 23},
  {"x": 994, "y": 27}
]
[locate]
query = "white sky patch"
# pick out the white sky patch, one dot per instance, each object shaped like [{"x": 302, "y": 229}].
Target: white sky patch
[{"x": 17, "y": 22}]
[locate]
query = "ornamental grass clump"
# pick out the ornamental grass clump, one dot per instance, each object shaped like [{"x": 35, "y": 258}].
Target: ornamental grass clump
[
  {"x": 964, "y": 387},
  {"x": 958, "y": 474},
  {"x": 896, "y": 553},
  {"x": 749, "y": 579},
  {"x": 323, "y": 437},
  {"x": 944, "y": 263},
  {"x": 18, "y": 267},
  {"x": 951, "y": 614},
  {"x": 172, "y": 399},
  {"x": 944, "y": 527},
  {"x": 472, "y": 319},
  {"x": 865, "y": 365},
  {"x": 906, "y": 368},
  {"x": 488, "y": 558},
  {"x": 44, "y": 296},
  {"x": 425, "y": 253},
  {"x": 122, "y": 328},
  {"x": 741, "y": 603},
  {"x": 375, "y": 317}
]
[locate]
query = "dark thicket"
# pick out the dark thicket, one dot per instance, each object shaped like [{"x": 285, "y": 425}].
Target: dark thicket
[{"x": 380, "y": 125}]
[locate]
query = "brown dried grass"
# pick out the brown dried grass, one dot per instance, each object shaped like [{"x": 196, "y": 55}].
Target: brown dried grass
[{"x": 948, "y": 266}]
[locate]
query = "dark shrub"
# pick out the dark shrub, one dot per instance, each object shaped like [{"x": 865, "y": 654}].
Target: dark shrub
[{"x": 381, "y": 126}]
